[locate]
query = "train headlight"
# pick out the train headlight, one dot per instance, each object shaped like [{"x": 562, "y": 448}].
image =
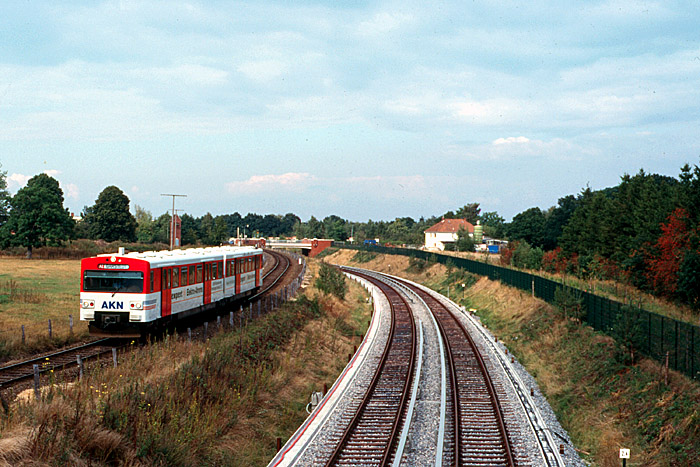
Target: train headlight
[
  {"x": 136, "y": 305},
  {"x": 86, "y": 304}
]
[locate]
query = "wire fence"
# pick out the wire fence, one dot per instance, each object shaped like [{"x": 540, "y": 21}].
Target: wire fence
[{"x": 652, "y": 334}]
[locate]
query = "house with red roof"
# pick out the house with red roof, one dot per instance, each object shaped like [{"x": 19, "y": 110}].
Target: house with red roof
[{"x": 444, "y": 232}]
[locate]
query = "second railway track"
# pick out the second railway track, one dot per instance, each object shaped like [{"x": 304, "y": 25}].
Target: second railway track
[{"x": 475, "y": 414}]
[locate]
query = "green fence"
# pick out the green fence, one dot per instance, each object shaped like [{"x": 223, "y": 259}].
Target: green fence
[{"x": 655, "y": 335}]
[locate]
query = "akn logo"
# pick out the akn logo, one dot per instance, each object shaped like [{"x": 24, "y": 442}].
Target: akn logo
[{"x": 112, "y": 305}]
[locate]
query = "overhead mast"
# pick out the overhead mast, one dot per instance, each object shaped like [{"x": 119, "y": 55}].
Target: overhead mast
[{"x": 172, "y": 219}]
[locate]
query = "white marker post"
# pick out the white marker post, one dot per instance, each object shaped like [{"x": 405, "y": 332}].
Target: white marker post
[{"x": 624, "y": 455}]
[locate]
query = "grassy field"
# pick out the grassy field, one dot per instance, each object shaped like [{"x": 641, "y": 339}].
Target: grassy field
[{"x": 31, "y": 293}]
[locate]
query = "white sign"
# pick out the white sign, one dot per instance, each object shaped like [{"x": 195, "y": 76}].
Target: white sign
[{"x": 624, "y": 453}]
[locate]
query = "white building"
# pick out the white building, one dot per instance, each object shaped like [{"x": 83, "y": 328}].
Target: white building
[{"x": 444, "y": 232}]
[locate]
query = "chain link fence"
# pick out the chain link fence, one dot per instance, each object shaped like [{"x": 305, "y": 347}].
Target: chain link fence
[{"x": 654, "y": 335}]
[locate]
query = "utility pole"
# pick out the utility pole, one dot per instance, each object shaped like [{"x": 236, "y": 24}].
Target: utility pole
[{"x": 172, "y": 219}]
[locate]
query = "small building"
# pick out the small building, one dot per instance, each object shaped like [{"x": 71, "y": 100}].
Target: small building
[{"x": 444, "y": 232}]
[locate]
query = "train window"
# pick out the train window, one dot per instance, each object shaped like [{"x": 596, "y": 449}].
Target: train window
[
  {"x": 199, "y": 273},
  {"x": 215, "y": 271},
  {"x": 113, "y": 281},
  {"x": 192, "y": 278},
  {"x": 176, "y": 277},
  {"x": 152, "y": 281},
  {"x": 183, "y": 276}
]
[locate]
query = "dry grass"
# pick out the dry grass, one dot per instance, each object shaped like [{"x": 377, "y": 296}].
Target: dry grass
[
  {"x": 179, "y": 403},
  {"x": 313, "y": 357}
]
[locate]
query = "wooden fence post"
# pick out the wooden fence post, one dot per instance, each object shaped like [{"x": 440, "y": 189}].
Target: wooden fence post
[
  {"x": 37, "y": 394},
  {"x": 81, "y": 368}
]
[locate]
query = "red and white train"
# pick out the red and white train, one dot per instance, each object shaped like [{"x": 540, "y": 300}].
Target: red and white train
[{"x": 132, "y": 294}]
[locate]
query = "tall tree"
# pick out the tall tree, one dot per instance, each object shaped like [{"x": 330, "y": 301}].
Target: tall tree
[
  {"x": 37, "y": 216},
  {"x": 189, "y": 229},
  {"x": 494, "y": 224},
  {"x": 470, "y": 212},
  {"x": 528, "y": 226},
  {"x": 145, "y": 227},
  {"x": 588, "y": 230},
  {"x": 556, "y": 219},
  {"x": 4, "y": 198},
  {"x": 334, "y": 227},
  {"x": 110, "y": 219}
]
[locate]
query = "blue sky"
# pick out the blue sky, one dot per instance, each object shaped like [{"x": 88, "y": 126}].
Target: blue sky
[{"x": 361, "y": 109}]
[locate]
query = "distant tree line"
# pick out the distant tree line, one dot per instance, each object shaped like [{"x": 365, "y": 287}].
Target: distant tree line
[{"x": 645, "y": 230}]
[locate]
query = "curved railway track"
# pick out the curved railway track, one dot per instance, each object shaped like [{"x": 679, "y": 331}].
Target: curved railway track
[
  {"x": 274, "y": 275},
  {"x": 372, "y": 431},
  {"x": 478, "y": 431},
  {"x": 480, "y": 435}
]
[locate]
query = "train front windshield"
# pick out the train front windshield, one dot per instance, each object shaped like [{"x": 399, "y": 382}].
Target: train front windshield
[{"x": 113, "y": 281}]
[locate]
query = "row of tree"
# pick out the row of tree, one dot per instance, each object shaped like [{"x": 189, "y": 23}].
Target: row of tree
[{"x": 645, "y": 231}]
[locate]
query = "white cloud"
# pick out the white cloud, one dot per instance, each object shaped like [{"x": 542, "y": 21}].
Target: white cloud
[
  {"x": 510, "y": 140},
  {"x": 186, "y": 74},
  {"x": 291, "y": 181},
  {"x": 17, "y": 181},
  {"x": 71, "y": 190},
  {"x": 384, "y": 22},
  {"x": 263, "y": 70}
]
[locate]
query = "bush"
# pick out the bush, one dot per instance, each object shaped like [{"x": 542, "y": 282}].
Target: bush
[
  {"x": 526, "y": 257},
  {"x": 629, "y": 329},
  {"x": 364, "y": 256},
  {"x": 570, "y": 302},
  {"x": 331, "y": 281},
  {"x": 416, "y": 265}
]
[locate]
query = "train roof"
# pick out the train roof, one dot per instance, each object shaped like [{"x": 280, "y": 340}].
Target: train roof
[{"x": 191, "y": 255}]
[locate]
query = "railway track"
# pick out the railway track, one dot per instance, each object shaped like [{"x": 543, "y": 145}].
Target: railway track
[
  {"x": 442, "y": 410},
  {"x": 371, "y": 433},
  {"x": 274, "y": 275},
  {"x": 480, "y": 436},
  {"x": 24, "y": 370}
]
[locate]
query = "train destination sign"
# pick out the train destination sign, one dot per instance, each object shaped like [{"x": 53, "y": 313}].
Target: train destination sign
[{"x": 113, "y": 266}]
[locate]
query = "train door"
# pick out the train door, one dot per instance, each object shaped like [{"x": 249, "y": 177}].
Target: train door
[
  {"x": 207, "y": 283},
  {"x": 166, "y": 293},
  {"x": 258, "y": 260},
  {"x": 237, "y": 270}
]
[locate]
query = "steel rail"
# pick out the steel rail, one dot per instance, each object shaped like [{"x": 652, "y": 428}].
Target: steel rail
[
  {"x": 16, "y": 372},
  {"x": 392, "y": 346},
  {"x": 498, "y": 410},
  {"x": 278, "y": 278}
]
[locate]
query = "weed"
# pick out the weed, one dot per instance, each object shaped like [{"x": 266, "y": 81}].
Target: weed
[{"x": 364, "y": 256}]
